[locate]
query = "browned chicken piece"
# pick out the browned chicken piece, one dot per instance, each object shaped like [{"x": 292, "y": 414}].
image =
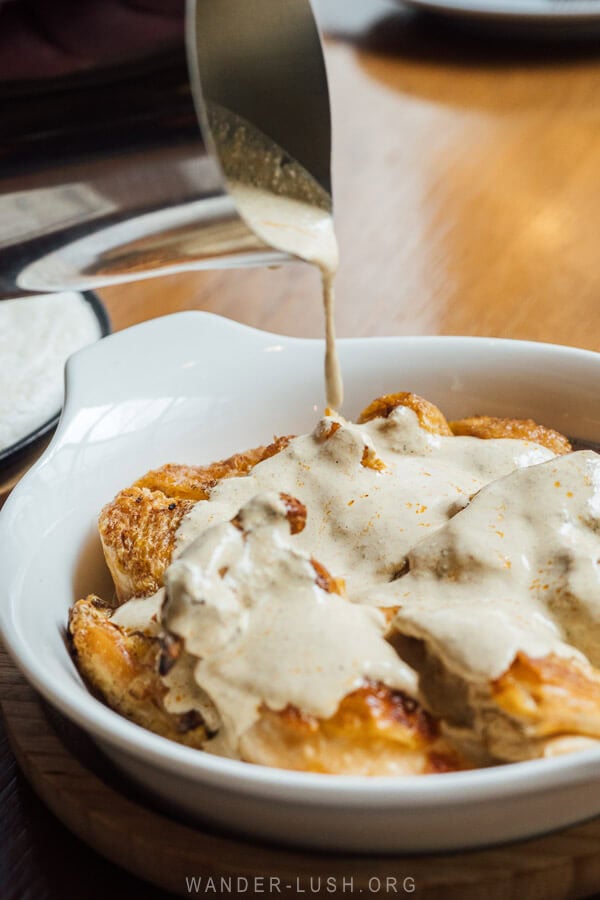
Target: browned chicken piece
[
  {"x": 375, "y": 730},
  {"x": 138, "y": 527},
  {"x": 525, "y": 713},
  {"x": 550, "y": 697},
  {"x": 121, "y": 667},
  {"x": 194, "y": 482},
  {"x": 430, "y": 417},
  {"x": 138, "y": 537},
  {"x": 433, "y": 420},
  {"x": 521, "y": 429}
]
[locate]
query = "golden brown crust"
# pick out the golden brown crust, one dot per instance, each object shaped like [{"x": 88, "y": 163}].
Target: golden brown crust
[
  {"x": 296, "y": 513},
  {"x": 430, "y": 417},
  {"x": 375, "y": 731},
  {"x": 143, "y": 517},
  {"x": 551, "y": 696},
  {"x": 121, "y": 667},
  {"x": 520, "y": 429},
  {"x": 195, "y": 482},
  {"x": 326, "y": 581},
  {"x": 138, "y": 527},
  {"x": 138, "y": 530},
  {"x": 526, "y": 713},
  {"x": 370, "y": 460}
]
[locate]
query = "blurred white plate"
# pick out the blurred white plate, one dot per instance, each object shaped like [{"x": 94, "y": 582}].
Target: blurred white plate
[
  {"x": 550, "y": 11},
  {"x": 36, "y": 369}
]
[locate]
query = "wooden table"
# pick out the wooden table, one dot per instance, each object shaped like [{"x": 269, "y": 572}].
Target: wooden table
[{"x": 467, "y": 193}]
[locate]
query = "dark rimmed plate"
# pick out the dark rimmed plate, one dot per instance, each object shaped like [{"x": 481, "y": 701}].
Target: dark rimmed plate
[
  {"x": 11, "y": 455},
  {"x": 561, "y": 11},
  {"x": 556, "y": 20}
]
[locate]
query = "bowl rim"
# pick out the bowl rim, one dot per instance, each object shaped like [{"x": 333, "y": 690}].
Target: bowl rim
[{"x": 79, "y": 705}]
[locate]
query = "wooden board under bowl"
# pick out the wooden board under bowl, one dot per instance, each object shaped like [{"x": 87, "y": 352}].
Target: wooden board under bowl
[{"x": 83, "y": 790}]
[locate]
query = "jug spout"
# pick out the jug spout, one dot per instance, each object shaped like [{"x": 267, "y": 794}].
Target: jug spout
[{"x": 109, "y": 169}]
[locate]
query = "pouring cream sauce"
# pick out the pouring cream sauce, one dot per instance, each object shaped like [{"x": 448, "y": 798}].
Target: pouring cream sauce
[{"x": 287, "y": 208}]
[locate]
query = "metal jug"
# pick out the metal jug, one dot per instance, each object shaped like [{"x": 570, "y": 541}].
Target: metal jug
[{"x": 108, "y": 168}]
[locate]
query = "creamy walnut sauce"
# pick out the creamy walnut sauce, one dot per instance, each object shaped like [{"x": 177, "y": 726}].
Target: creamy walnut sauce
[
  {"x": 518, "y": 569},
  {"x": 362, "y": 521},
  {"x": 141, "y": 614},
  {"x": 481, "y": 548},
  {"x": 252, "y": 614},
  {"x": 305, "y": 231},
  {"x": 260, "y": 629},
  {"x": 287, "y": 208}
]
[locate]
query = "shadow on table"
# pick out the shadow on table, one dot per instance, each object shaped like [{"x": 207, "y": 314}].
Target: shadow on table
[
  {"x": 395, "y": 45},
  {"x": 441, "y": 39}
]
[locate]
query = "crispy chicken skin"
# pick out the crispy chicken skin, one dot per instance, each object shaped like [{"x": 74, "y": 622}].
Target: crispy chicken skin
[
  {"x": 432, "y": 420},
  {"x": 122, "y": 668},
  {"x": 521, "y": 429},
  {"x": 375, "y": 731},
  {"x": 430, "y": 417},
  {"x": 550, "y": 697},
  {"x": 194, "y": 482},
  {"x": 138, "y": 537},
  {"x": 138, "y": 527}
]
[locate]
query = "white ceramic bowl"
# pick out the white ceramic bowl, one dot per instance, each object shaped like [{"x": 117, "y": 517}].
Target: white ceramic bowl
[{"x": 191, "y": 388}]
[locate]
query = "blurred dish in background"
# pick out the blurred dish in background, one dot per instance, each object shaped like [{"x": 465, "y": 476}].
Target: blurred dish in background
[
  {"x": 555, "y": 12},
  {"x": 37, "y": 335}
]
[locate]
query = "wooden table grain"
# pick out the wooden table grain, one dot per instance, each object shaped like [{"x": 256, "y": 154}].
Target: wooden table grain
[
  {"x": 466, "y": 186},
  {"x": 467, "y": 201}
]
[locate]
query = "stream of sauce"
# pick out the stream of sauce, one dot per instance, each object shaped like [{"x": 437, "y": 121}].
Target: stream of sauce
[{"x": 288, "y": 209}]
